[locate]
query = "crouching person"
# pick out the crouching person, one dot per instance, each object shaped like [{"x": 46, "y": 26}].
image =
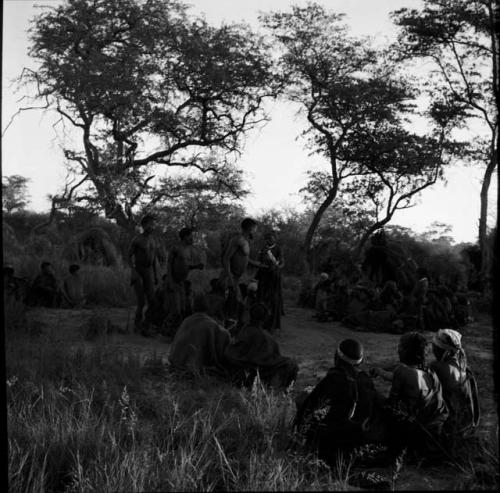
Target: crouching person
[
  {"x": 199, "y": 344},
  {"x": 254, "y": 350},
  {"x": 336, "y": 416},
  {"x": 458, "y": 382}
]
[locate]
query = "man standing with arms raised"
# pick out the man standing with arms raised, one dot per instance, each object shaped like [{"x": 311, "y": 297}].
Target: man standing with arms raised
[
  {"x": 235, "y": 259},
  {"x": 143, "y": 261}
]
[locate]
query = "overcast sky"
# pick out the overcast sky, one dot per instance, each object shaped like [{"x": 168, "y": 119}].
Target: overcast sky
[{"x": 274, "y": 160}]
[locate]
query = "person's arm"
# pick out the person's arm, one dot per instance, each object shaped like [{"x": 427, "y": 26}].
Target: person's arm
[
  {"x": 156, "y": 262},
  {"x": 379, "y": 372},
  {"x": 256, "y": 263},
  {"x": 170, "y": 262},
  {"x": 131, "y": 253},
  {"x": 226, "y": 260},
  {"x": 155, "y": 268},
  {"x": 281, "y": 262},
  {"x": 397, "y": 385}
]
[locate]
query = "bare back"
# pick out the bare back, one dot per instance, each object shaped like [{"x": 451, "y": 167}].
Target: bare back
[
  {"x": 143, "y": 249},
  {"x": 238, "y": 253}
]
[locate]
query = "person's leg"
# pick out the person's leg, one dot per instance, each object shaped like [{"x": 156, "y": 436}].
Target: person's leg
[
  {"x": 149, "y": 291},
  {"x": 140, "y": 297},
  {"x": 233, "y": 302}
]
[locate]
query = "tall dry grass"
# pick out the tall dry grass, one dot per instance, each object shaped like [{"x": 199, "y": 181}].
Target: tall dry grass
[{"x": 94, "y": 422}]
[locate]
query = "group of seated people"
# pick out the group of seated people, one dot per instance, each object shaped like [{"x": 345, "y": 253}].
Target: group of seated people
[
  {"x": 426, "y": 306},
  {"x": 46, "y": 290},
  {"x": 429, "y": 406}
]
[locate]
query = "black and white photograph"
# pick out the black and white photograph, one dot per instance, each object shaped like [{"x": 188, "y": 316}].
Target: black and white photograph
[{"x": 250, "y": 245}]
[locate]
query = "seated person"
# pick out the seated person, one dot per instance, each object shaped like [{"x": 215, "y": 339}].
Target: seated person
[
  {"x": 249, "y": 298},
  {"x": 462, "y": 312},
  {"x": 14, "y": 288},
  {"x": 390, "y": 297},
  {"x": 254, "y": 350},
  {"x": 458, "y": 382},
  {"x": 216, "y": 299},
  {"x": 73, "y": 292},
  {"x": 437, "y": 313},
  {"x": 44, "y": 291},
  {"x": 199, "y": 344},
  {"x": 360, "y": 299},
  {"x": 375, "y": 321},
  {"x": 416, "y": 407},
  {"x": 336, "y": 415}
]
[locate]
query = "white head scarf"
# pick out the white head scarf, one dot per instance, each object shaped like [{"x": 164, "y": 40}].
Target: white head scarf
[{"x": 451, "y": 341}]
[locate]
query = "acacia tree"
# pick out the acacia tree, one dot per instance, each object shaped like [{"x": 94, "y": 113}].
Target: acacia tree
[
  {"x": 14, "y": 193},
  {"x": 355, "y": 106},
  {"x": 461, "y": 38},
  {"x": 148, "y": 88},
  {"x": 199, "y": 203}
]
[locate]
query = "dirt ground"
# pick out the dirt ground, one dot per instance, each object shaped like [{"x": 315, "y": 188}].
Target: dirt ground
[{"x": 312, "y": 344}]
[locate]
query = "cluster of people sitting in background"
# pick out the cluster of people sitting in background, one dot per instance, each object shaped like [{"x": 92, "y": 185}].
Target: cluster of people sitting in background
[
  {"x": 389, "y": 303},
  {"x": 46, "y": 290},
  {"x": 429, "y": 406}
]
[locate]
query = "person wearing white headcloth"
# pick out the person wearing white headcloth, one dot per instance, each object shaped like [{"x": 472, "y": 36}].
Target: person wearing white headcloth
[{"x": 458, "y": 382}]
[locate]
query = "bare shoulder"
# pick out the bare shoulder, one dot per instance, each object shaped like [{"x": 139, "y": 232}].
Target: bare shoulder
[
  {"x": 237, "y": 240},
  {"x": 135, "y": 241}
]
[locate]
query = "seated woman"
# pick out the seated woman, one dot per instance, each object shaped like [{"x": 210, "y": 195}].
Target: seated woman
[
  {"x": 45, "y": 288},
  {"x": 199, "y": 343},
  {"x": 254, "y": 350},
  {"x": 73, "y": 289},
  {"x": 458, "y": 382},
  {"x": 416, "y": 409},
  {"x": 336, "y": 415}
]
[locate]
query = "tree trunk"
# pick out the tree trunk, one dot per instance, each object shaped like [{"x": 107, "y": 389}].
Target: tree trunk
[
  {"x": 374, "y": 227},
  {"x": 314, "y": 226},
  {"x": 483, "y": 217}
]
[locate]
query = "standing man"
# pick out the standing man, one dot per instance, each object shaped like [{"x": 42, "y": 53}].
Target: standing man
[
  {"x": 235, "y": 259},
  {"x": 181, "y": 261},
  {"x": 143, "y": 261}
]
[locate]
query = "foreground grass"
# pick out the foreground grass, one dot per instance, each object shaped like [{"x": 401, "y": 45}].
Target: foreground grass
[
  {"x": 90, "y": 422},
  {"x": 95, "y": 421}
]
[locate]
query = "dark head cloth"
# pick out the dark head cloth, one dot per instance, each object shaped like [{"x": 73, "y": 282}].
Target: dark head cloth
[{"x": 350, "y": 351}]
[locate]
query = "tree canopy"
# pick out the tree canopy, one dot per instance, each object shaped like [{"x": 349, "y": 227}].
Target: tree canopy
[
  {"x": 148, "y": 87},
  {"x": 15, "y": 195},
  {"x": 461, "y": 38},
  {"x": 357, "y": 107}
]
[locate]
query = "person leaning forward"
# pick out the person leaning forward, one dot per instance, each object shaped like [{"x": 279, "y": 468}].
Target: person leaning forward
[{"x": 143, "y": 261}]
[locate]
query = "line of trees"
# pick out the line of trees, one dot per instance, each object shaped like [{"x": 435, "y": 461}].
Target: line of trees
[{"x": 152, "y": 89}]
